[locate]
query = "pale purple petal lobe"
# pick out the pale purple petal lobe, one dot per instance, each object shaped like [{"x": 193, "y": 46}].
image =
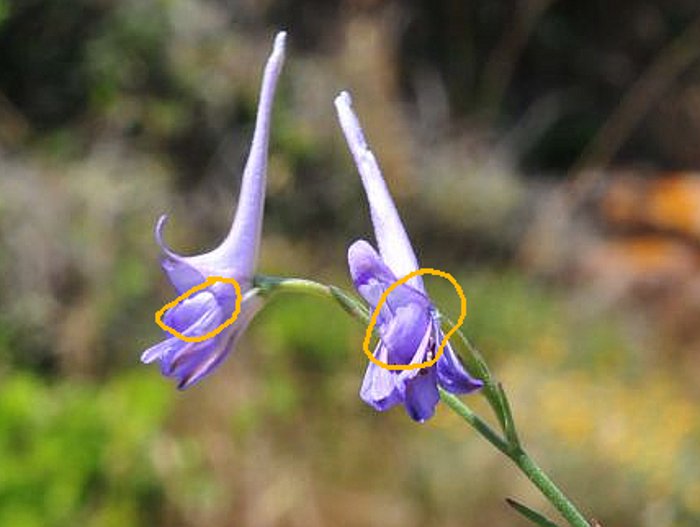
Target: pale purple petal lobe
[
  {"x": 159, "y": 350},
  {"x": 422, "y": 395},
  {"x": 182, "y": 275},
  {"x": 405, "y": 332},
  {"x": 453, "y": 376},
  {"x": 380, "y": 388},
  {"x": 372, "y": 277}
]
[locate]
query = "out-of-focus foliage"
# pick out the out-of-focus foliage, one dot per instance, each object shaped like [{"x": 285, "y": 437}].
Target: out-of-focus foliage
[
  {"x": 161, "y": 69},
  {"x": 115, "y": 111},
  {"x": 75, "y": 258},
  {"x": 86, "y": 453}
]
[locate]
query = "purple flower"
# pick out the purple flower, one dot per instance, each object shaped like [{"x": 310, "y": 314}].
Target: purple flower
[
  {"x": 408, "y": 324},
  {"x": 236, "y": 257}
]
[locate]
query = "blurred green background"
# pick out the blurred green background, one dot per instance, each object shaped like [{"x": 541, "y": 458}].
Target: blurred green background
[{"x": 542, "y": 151}]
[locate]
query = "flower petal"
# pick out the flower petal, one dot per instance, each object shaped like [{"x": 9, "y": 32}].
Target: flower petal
[
  {"x": 392, "y": 239},
  {"x": 189, "y": 362},
  {"x": 181, "y": 274},
  {"x": 183, "y": 358},
  {"x": 452, "y": 375},
  {"x": 190, "y": 314},
  {"x": 157, "y": 351},
  {"x": 419, "y": 355},
  {"x": 404, "y": 334},
  {"x": 226, "y": 344},
  {"x": 369, "y": 273},
  {"x": 379, "y": 388},
  {"x": 422, "y": 395},
  {"x": 372, "y": 277}
]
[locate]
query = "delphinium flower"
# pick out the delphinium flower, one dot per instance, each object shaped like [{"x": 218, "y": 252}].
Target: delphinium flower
[
  {"x": 408, "y": 323},
  {"x": 235, "y": 257}
]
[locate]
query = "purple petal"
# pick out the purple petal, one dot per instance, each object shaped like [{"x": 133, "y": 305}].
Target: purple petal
[
  {"x": 183, "y": 358},
  {"x": 188, "y": 315},
  {"x": 404, "y": 334},
  {"x": 159, "y": 350},
  {"x": 379, "y": 388},
  {"x": 367, "y": 266},
  {"x": 452, "y": 375},
  {"x": 181, "y": 274},
  {"x": 189, "y": 362},
  {"x": 227, "y": 343},
  {"x": 372, "y": 277},
  {"x": 419, "y": 355},
  {"x": 422, "y": 395},
  {"x": 394, "y": 244}
]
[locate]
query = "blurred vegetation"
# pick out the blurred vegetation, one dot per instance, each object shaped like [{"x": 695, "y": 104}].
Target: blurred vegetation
[{"x": 115, "y": 111}]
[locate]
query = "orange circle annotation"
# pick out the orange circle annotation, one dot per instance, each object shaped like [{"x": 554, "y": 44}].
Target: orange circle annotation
[
  {"x": 446, "y": 338},
  {"x": 200, "y": 338}
]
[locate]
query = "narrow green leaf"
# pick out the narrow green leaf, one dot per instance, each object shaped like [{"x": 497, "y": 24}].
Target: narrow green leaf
[
  {"x": 534, "y": 517},
  {"x": 508, "y": 421}
]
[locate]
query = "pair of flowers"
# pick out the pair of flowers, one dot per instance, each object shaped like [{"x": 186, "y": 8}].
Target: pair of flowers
[{"x": 408, "y": 325}]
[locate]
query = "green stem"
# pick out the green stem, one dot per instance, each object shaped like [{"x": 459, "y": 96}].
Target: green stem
[
  {"x": 475, "y": 421},
  {"x": 269, "y": 285},
  {"x": 523, "y": 461},
  {"x": 547, "y": 487},
  {"x": 273, "y": 284},
  {"x": 492, "y": 391}
]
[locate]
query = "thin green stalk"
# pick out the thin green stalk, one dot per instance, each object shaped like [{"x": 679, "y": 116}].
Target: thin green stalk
[
  {"x": 492, "y": 391},
  {"x": 523, "y": 461},
  {"x": 273, "y": 284},
  {"x": 481, "y": 426},
  {"x": 547, "y": 487},
  {"x": 269, "y": 285}
]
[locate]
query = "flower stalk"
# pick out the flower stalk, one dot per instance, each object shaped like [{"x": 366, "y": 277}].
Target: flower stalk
[{"x": 269, "y": 285}]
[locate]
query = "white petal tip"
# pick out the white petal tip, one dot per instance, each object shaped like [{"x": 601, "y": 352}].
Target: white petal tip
[
  {"x": 158, "y": 231},
  {"x": 150, "y": 355},
  {"x": 351, "y": 127},
  {"x": 160, "y": 224},
  {"x": 280, "y": 43},
  {"x": 162, "y": 219},
  {"x": 343, "y": 100}
]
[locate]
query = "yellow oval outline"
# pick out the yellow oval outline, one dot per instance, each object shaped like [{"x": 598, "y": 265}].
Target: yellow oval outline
[
  {"x": 373, "y": 320},
  {"x": 199, "y": 287}
]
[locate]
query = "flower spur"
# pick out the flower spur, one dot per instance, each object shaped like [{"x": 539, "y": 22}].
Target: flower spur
[
  {"x": 236, "y": 257},
  {"x": 408, "y": 324}
]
